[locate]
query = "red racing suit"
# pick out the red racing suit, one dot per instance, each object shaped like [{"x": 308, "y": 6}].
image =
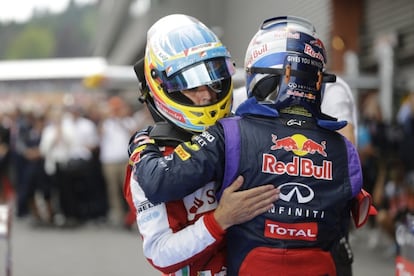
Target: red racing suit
[
  {"x": 180, "y": 237},
  {"x": 317, "y": 170}
]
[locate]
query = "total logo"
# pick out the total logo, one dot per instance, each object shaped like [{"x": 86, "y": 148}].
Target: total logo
[
  {"x": 307, "y": 231},
  {"x": 299, "y": 144}
]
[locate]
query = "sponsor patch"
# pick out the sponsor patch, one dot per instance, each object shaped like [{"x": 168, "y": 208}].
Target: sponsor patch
[
  {"x": 147, "y": 217},
  {"x": 298, "y": 167},
  {"x": 182, "y": 153},
  {"x": 144, "y": 206},
  {"x": 307, "y": 231}
]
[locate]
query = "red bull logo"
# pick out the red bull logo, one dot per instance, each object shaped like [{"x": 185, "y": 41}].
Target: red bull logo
[
  {"x": 304, "y": 167},
  {"x": 256, "y": 54},
  {"x": 286, "y": 143},
  {"x": 312, "y": 147},
  {"x": 311, "y": 52},
  {"x": 299, "y": 145},
  {"x": 318, "y": 43}
]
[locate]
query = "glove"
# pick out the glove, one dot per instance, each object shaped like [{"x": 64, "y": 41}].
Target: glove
[
  {"x": 138, "y": 142},
  {"x": 362, "y": 208}
]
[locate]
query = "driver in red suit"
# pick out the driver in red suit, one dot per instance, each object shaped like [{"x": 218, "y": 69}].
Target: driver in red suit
[{"x": 186, "y": 236}]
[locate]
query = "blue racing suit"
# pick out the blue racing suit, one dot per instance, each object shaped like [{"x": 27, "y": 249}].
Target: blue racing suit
[{"x": 316, "y": 169}]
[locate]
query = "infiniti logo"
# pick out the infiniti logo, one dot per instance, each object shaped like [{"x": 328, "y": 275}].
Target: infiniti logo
[
  {"x": 304, "y": 193},
  {"x": 292, "y": 85}
]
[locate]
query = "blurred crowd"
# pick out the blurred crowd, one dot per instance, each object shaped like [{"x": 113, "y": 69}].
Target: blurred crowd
[
  {"x": 62, "y": 165},
  {"x": 386, "y": 151}
]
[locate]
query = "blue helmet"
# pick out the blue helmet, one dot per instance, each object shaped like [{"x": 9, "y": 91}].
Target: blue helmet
[{"x": 285, "y": 65}]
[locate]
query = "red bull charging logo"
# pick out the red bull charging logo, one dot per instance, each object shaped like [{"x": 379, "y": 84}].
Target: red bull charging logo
[{"x": 299, "y": 145}]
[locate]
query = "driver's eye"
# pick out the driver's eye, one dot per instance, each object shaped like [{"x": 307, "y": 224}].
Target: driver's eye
[
  {"x": 193, "y": 89},
  {"x": 216, "y": 86}
]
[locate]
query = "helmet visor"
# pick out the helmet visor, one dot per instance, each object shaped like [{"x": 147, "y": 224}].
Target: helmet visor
[{"x": 208, "y": 72}]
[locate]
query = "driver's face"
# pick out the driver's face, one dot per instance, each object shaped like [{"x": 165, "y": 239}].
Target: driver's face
[{"x": 201, "y": 95}]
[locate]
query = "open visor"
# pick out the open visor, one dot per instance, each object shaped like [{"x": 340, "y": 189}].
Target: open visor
[{"x": 206, "y": 72}]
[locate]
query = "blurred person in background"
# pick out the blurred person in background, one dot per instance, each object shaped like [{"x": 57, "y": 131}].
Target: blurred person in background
[
  {"x": 35, "y": 180},
  {"x": 80, "y": 179},
  {"x": 99, "y": 197},
  {"x": 285, "y": 64},
  {"x": 394, "y": 190},
  {"x": 372, "y": 146},
  {"x": 54, "y": 147},
  {"x": 6, "y": 188},
  {"x": 382, "y": 148},
  {"x": 406, "y": 121},
  {"x": 338, "y": 102},
  {"x": 68, "y": 144},
  {"x": 396, "y": 198},
  {"x": 186, "y": 236},
  {"x": 372, "y": 139},
  {"x": 19, "y": 130},
  {"x": 115, "y": 130},
  {"x": 18, "y": 122}
]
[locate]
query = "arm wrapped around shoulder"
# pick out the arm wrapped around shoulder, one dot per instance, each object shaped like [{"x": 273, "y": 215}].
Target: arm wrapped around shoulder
[{"x": 138, "y": 143}]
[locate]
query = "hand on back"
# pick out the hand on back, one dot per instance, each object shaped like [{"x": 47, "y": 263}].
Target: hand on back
[{"x": 236, "y": 207}]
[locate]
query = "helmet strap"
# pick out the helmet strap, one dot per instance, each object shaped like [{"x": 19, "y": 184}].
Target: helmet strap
[
  {"x": 319, "y": 82},
  {"x": 167, "y": 134},
  {"x": 287, "y": 73}
]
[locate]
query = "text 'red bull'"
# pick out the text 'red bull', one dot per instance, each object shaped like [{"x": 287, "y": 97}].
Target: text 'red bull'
[{"x": 298, "y": 167}]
